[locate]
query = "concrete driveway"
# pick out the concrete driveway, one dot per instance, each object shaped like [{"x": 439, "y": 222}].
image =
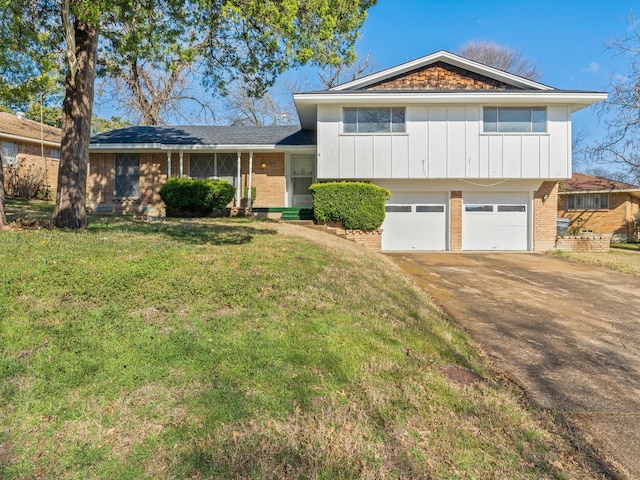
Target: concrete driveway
[{"x": 569, "y": 334}]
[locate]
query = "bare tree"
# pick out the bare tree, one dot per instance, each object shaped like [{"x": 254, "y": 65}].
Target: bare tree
[
  {"x": 332, "y": 76},
  {"x": 620, "y": 113},
  {"x": 500, "y": 57}
]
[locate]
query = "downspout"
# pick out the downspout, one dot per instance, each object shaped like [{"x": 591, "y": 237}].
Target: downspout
[
  {"x": 181, "y": 163},
  {"x": 249, "y": 180},
  {"x": 239, "y": 188}
]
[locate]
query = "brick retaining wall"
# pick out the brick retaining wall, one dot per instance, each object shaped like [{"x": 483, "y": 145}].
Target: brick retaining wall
[{"x": 583, "y": 243}]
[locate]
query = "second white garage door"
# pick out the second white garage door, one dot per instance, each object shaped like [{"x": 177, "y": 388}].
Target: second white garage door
[
  {"x": 494, "y": 221},
  {"x": 415, "y": 221}
]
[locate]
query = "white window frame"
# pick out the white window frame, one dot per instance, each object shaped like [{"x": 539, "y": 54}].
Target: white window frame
[
  {"x": 357, "y": 130},
  {"x": 9, "y": 154},
  {"x": 501, "y": 127}
]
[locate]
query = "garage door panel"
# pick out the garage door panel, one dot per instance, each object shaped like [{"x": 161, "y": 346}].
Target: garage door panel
[
  {"x": 496, "y": 221},
  {"x": 415, "y": 222}
]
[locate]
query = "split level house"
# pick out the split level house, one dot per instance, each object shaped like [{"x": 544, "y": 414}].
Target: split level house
[
  {"x": 472, "y": 155},
  {"x": 30, "y": 154}
]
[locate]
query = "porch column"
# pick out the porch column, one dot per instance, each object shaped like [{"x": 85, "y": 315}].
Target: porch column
[
  {"x": 168, "y": 164},
  {"x": 239, "y": 186},
  {"x": 249, "y": 180},
  {"x": 181, "y": 163}
]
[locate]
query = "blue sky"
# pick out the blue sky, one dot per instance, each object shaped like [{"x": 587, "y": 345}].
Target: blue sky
[{"x": 565, "y": 38}]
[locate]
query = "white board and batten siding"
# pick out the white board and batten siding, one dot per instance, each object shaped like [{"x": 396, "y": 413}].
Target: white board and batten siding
[{"x": 444, "y": 141}]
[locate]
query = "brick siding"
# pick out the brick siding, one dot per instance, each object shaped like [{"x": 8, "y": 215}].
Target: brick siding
[
  {"x": 622, "y": 207},
  {"x": 31, "y": 162},
  {"x": 456, "y": 222},
  {"x": 440, "y": 76},
  {"x": 544, "y": 216}
]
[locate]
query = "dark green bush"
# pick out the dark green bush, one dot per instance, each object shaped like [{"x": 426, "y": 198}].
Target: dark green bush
[
  {"x": 359, "y": 206},
  {"x": 199, "y": 197}
]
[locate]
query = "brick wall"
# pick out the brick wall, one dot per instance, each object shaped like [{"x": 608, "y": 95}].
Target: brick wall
[
  {"x": 456, "y": 221},
  {"x": 440, "y": 76},
  {"x": 584, "y": 243},
  {"x": 268, "y": 178},
  {"x": 372, "y": 239},
  {"x": 269, "y": 181},
  {"x": 32, "y": 163},
  {"x": 544, "y": 216},
  {"x": 622, "y": 207}
]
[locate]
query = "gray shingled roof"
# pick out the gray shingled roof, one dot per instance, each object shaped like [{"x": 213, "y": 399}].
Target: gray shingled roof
[{"x": 289, "y": 135}]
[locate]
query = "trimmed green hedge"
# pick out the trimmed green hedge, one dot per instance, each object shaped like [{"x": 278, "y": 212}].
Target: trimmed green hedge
[
  {"x": 199, "y": 197},
  {"x": 359, "y": 206}
]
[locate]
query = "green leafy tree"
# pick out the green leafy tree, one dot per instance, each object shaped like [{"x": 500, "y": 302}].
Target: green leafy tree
[{"x": 252, "y": 40}]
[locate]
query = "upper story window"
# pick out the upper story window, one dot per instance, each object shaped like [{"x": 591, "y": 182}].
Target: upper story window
[
  {"x": 374, "y": 120},
  {"x": 515, "y": 119},
  {"x": 588, "y": 201},
  {"x": 9, "y": 154}
]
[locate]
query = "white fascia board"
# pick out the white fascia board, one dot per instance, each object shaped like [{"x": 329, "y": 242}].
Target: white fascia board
[
  {"x": 306, "y": 103},
  {"x": 447, "y": 57},
  {"x": 634, "y": 192},
  {"x": 158, "y": 147},
  {"x": 20, "y": 138}
]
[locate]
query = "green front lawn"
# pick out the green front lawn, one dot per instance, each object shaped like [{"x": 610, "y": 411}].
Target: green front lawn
[
  {"x": 625, "y": 260},
  {"x": 236, "y": 348}
]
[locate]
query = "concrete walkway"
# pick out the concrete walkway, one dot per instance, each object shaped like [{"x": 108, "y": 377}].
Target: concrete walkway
[{"x": 567, "y": 333}]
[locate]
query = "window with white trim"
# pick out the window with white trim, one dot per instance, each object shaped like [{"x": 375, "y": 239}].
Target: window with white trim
[
  {"x": 514, "y": 119},
  {"x": 374, "y": 120},
  {"x": 221, "y": 166},
  {"x": 127, "y": 179},
  {"x": 9, "y": 154},
  {"x": 588, "y": 201}
]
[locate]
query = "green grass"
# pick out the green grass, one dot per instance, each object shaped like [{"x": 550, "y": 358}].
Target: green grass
[
  {"x": 625, "y": 260},
  {"x": 627, "y": 246},
  {"x": 236, "y": 348}
]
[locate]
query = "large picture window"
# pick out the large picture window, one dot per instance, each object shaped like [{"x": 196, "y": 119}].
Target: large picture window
[
  {"x": 374, "y": 120},
  {"x": 9, "y": 154},
  {"x": 222, "y": 166},
  {"x": 588, "y": 201},
  {"x": 515, "y": 119},
  {"x": 127, "y": 181}
]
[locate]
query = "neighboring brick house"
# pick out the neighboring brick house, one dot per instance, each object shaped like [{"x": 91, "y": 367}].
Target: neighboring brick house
[
  {"x": 472, "y": 155},
  {"x": 598, "y": 205},
  {"x": 30, "y": 153}
]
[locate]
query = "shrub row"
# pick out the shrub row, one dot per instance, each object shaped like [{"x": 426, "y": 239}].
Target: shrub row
[
  {"x": 359, "y": 206},
  {"x": 199, "y": 197}
]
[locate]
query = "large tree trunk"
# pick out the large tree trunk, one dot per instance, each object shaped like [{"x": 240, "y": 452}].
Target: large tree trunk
[
  {"x": 76, "y": 130},
  {"x": 3, "y": 216}
]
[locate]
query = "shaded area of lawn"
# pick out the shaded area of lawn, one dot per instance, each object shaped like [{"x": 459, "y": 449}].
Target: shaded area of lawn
[{"x": 234, "y": 348}]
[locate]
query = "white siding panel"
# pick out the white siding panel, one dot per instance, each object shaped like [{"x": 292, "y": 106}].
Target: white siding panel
[
  {"x": 531, "y": 156},
  {"x": 512, "y": 163},
  {"x": 382, "y": 155},
  {"x": 456, "y": 141},
  {"x": 347, "y": 157},
  {"x": 328, "y": 147},
  {"x": 400, "y": 160},
  {"x": 364, "y": 156},
  {"x": 560, "y": 136},
  {"x": 472, "y": 142},
  {"x": 418, "y": 143},
  {"x": 495, "y": 156},
  {"x": 545, "y": 171},
  {"x": 483, "y": 162},
  {"x": 437, "y": 156}
]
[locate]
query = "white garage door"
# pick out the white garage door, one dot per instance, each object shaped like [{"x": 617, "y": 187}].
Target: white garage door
[
  {"x": 415, "y": 221},
  {"x": 494, "y": 221}
]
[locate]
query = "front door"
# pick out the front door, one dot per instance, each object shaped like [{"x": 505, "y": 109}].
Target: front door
[{"x": 301, "y": 180}]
